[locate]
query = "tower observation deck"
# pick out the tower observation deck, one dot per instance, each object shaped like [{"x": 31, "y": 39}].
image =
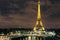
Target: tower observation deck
[{"x": 39, "y": 24}]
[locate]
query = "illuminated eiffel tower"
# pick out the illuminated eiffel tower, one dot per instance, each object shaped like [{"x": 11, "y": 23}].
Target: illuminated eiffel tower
[{"x": 39, "y": 24}]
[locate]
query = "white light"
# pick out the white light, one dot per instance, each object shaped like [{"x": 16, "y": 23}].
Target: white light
[
  {"x": 52, "y": 33},
  {"x": 29, "y": 38}
]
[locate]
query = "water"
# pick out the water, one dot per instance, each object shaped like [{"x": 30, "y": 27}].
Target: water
[{"x": 34, "y": 38}]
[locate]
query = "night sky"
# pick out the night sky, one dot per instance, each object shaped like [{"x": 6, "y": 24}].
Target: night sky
[{"x": 23, "y": 13}]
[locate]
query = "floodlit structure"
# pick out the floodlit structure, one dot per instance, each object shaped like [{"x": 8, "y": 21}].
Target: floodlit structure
[
  {"x": 39, "y": 24},
  {"x": 39, "y": 27}
]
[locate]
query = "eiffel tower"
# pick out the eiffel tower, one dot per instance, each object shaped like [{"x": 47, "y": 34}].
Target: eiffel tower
[{"x": 39, "y": 24}]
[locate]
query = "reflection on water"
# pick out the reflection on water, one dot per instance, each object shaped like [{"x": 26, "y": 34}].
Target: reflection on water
[{"x": 34, "y": 38}]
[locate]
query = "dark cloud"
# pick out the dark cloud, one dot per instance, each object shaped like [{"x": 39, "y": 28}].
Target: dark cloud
[
  {"x": 18, "y": 13},
  {"x": 3, "y": 6},
  {"x": 11, "y": 5},
  {"x": 55, "y": 1},
  {"x": 23, "y": 13}
]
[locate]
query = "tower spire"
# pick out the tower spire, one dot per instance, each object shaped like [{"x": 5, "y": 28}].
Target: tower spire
[{"x": 39, "y": 24}]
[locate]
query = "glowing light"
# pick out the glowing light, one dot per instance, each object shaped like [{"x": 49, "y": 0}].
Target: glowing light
[
  {"x": 39, "y": 18},
  {"x": 29, "y": 38},
  {"x": 11, "y": 33}
]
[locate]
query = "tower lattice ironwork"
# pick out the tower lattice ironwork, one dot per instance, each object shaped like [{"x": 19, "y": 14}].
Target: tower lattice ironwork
[{"x": 39, "y": 24}]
